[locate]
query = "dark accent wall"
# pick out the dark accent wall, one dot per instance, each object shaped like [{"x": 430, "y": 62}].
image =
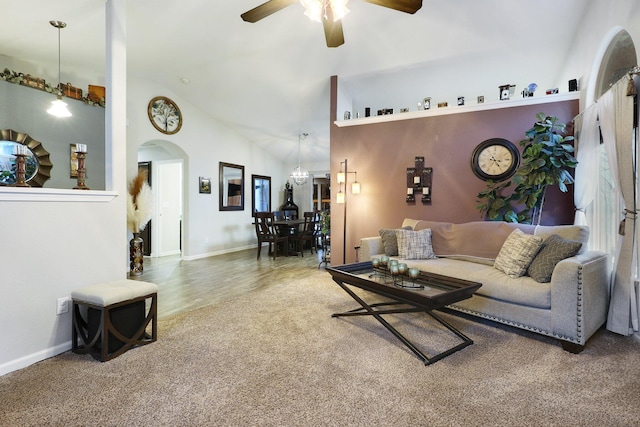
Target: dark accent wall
[{"x": 381, "y": 153}]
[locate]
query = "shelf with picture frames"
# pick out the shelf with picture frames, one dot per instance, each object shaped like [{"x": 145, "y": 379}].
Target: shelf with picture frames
[{"x": 458, "y": 109}]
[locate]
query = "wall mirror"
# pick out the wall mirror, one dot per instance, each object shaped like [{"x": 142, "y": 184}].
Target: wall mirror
[
  {"x": 231, "y": 187},
  {"x": 260, "y": 194},
  {"x": 37, "y": 163}
]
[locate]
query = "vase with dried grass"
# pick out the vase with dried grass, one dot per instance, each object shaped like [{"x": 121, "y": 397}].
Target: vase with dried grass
[{"x": 139, "y": 211}]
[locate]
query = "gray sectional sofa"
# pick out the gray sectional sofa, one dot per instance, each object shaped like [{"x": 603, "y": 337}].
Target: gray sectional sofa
[{"x": 571, "y": 306}]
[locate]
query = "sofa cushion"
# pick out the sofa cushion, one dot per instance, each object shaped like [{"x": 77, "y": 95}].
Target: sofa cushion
[
  {"x": 414, "y": 244},
  {"x": 517, "y": 252},
  {"x": 554, "y": 249},
  {"x": 449, "y": 267},
  {"x": 578, "y": 233},
  {"x": 479, "y": 239},
  {"x": 390, "y": 241},
  {"x": 523, "y": 291},
  {"x": 410, "y": 223}
]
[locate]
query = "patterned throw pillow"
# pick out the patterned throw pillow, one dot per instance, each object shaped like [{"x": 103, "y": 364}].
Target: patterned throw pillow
[
  {"x": 390, "y": 241},
  {"x": 517, "y": 252},
  {"x": 554, "y": 250},
  {"x": 415, "y": 244}
]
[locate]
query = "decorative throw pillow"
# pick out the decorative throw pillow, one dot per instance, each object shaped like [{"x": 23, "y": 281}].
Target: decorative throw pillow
[
  {"x": 554, "y": 249},
  {"x": 390, "y": 241},
  {"x": 415, "y": 244},
  {"x": 517, "y": 252}
]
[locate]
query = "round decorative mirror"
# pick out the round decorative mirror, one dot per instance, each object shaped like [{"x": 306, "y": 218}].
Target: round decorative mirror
[{"x": 38, "y": 166}]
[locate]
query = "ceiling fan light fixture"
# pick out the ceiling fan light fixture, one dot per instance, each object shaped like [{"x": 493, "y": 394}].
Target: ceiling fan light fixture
[
  {"x": 339, "y": 8},
  {"x": 316, "y": 10}
]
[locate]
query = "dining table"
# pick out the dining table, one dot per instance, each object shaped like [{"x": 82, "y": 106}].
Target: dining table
[{"x": 289, "y": 227}]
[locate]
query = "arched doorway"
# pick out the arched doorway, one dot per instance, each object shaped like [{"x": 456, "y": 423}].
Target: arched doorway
[{"x": 166, "y": 164}]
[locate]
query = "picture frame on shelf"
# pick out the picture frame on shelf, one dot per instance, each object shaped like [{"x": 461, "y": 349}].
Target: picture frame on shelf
[{"x": 204, "y": 185}]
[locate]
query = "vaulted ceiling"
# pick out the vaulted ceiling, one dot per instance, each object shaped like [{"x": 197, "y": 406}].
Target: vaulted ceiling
[{"x": 270, "y": 79}]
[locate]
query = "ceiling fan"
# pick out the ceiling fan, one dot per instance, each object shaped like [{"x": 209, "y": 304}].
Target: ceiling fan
[{"x": 329, "y": 12}]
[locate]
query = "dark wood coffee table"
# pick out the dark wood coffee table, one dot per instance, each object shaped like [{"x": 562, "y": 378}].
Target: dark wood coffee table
[{"x": 438, "y": 292}]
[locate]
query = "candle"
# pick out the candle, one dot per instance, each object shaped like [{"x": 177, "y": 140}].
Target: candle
[
  {"x": 414, "y": 273},
  {"x": 81, "y": 148},
  {"x": 402, "y": 268},
  {"x": 375, "y": 262},
  {"x": 384, "y": 260},
  {"x": 394, "y": 269},
  {"x": 393, "y": 262},
  {"x": 20, "y": 149},
  {"x": 410, "y": 191},
  {"x": 416, "y": 180},
  {"x": 426, "y": 191}
]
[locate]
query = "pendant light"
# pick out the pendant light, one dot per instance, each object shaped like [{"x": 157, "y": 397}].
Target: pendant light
[
  {"x": 300, "y": 175},
  {"x": 59, "y": 107}
]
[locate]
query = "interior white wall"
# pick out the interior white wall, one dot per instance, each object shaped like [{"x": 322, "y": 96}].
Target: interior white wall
[
  {"x": 50, "y": 248},
  {"x": 601, "y": 21},
  {"x": 205, "y": 142}
]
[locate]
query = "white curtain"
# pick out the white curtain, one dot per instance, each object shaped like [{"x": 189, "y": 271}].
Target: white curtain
[
  {"x": 615, "y": 109},
  {"x": 588, "y": 156}
]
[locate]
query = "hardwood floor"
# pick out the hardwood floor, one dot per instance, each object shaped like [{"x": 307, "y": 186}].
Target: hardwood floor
[{"x": 186, "y": 285}]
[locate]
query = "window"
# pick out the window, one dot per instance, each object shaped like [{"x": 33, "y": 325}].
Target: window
[{"x": 619, "y": 58}]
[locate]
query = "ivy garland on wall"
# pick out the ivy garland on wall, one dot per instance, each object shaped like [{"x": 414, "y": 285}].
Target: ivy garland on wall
[{"x": 20, "y": 78}]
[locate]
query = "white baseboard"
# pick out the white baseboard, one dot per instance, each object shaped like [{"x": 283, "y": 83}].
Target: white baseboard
[{"x": 30, "y": 359}]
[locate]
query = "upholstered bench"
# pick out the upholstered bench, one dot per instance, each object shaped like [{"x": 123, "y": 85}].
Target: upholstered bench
[{"x": 110, "y": 318}]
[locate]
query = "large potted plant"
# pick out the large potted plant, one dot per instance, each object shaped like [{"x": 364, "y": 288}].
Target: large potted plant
[{"x": 547, "y": 157}]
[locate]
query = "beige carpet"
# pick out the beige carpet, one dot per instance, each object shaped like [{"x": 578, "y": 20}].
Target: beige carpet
[{"x": 276, "y": 357}]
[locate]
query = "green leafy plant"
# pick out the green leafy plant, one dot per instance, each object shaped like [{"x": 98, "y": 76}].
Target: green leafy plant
[
  {"x": 546, "y": 157},
  {"x": 325, "y": 222}
]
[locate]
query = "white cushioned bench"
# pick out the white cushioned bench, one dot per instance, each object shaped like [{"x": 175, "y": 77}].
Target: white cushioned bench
[{"x": 110, "y": 318}]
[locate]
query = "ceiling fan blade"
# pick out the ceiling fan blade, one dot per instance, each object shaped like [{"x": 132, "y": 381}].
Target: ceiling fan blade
[
  {"x": 333, "y": 32},
  {"x": 266, "y": 9},
  {"x": 408, "y": 6}
]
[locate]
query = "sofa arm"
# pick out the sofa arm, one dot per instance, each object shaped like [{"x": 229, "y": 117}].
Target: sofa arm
[
  {"x": 580, "y": 296},
  {"x": 370, "y": 247}
]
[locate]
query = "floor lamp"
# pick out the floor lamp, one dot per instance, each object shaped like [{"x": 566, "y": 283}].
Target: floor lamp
[{"x": 341, "y": 198}]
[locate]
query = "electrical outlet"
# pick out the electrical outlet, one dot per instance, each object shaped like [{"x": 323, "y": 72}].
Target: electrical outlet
[{"x": 63, "y": 305}]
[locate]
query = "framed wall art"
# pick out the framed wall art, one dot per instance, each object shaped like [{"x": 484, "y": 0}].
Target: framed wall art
[{"x": 205, "y": 185}]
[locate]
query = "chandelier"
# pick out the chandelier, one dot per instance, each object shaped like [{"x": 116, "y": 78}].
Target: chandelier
[
  {"x": 317, "y": 9},
  {"x": 299, "y": 174}
]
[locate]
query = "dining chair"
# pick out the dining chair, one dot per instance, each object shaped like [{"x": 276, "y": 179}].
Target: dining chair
[
  {"x": 307, "y": 233},
  {"x": 267, "y": 232}
]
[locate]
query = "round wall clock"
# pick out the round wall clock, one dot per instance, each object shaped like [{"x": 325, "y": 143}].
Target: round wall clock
[
  {"x": 164, "y": 115},
  {"x": 496, "y": 159}
]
